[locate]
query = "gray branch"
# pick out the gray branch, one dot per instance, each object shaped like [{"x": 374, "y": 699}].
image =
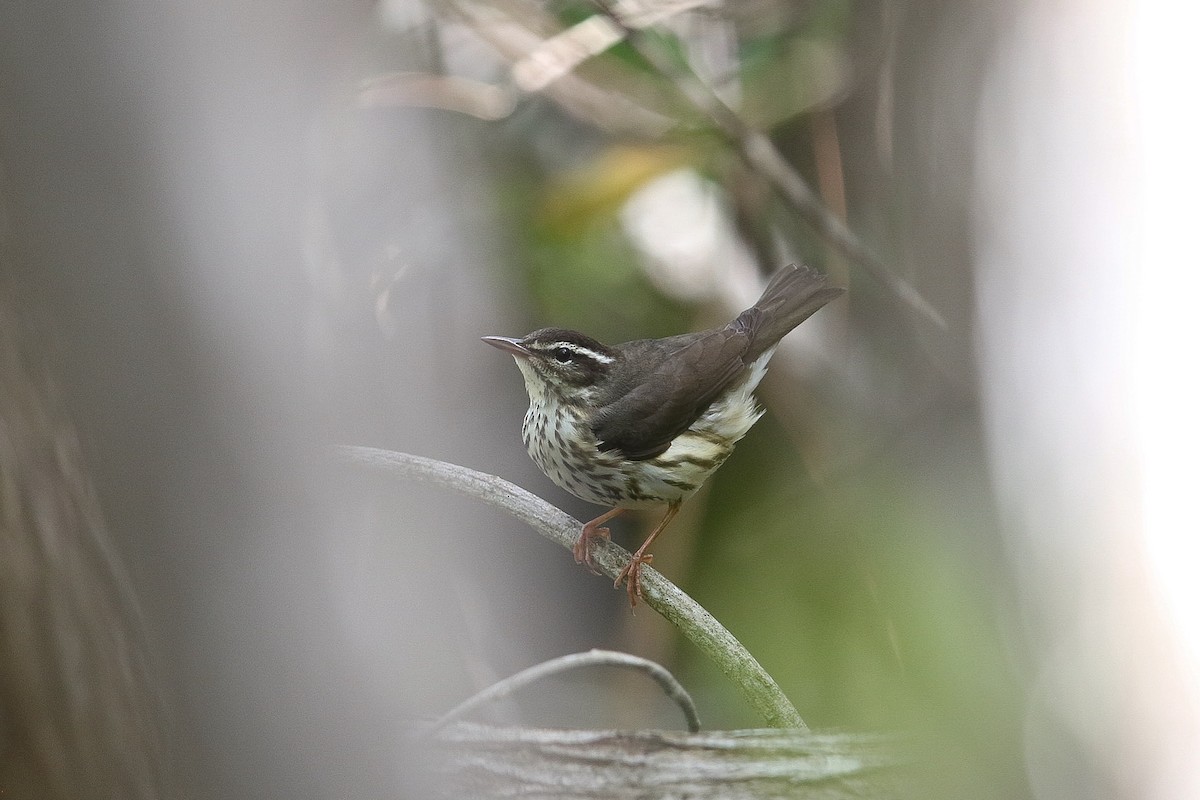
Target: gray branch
[
  {"x": 592, "y": 658},
  {"x": 758, "y": 688}
]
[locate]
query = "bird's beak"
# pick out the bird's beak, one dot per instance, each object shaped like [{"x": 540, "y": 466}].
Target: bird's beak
[{"x": 513, "y": 346}]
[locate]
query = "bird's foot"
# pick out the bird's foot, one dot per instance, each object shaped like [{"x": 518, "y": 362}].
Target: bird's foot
[
  {"x": 631, "y": 574},
  {"x": 593, "y": 530},
  {"x": 583, "y": 547}
]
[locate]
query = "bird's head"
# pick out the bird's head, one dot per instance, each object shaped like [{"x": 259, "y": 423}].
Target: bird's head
[{"x": 565, "y": 365}]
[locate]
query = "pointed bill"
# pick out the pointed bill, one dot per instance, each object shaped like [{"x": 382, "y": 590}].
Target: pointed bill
[{"x": 513, "y": 346}]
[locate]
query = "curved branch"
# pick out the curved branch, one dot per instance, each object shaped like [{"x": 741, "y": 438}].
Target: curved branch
[
  {"x": 759, "y": 689},
  {"x": 592, "y": 658}
]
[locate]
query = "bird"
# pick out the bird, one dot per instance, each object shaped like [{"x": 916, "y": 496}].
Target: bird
[{"x": 643, "y": 424}]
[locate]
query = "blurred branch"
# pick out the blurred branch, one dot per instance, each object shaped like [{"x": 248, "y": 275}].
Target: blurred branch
[
  {"x": 759, "y": 689},
  {"x": 474, "y": 98},
  {"x": 543, "y": 58},
  {"x": 763, "y": 157},
  {"x": 592, "y": 658}
]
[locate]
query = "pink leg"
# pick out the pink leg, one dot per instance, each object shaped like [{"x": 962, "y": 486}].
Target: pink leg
[
  {"x": 631, "y": 574},
  {"x": 592, "y": 530}
]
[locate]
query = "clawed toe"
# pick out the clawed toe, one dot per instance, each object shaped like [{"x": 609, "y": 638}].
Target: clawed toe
[
  {"x": 631, "y": 575},
  {"x": 583, "y": 547},
  {"x": 592, "y": 530}
]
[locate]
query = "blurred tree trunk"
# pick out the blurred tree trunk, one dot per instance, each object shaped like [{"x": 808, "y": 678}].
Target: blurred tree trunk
[{"x": 79, "y": 711}]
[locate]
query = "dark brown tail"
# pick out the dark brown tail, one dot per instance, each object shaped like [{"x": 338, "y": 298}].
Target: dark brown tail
[{"x": 794, "y": 294}]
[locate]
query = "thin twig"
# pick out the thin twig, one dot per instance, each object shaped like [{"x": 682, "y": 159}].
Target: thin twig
[
  {"x": 759, "y": 689},
  {"x": 765, "y": 159},
  {"x": 592, "y": 658}
]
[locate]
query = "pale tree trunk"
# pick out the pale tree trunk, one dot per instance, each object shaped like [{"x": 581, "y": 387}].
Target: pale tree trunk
[{"x": 478, "y": 761}]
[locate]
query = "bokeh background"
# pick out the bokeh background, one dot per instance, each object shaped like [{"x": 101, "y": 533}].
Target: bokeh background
[{"x": 235, "y": 235}]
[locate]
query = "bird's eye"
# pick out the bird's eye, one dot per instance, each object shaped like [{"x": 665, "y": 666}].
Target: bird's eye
[{"x": 563, "y": 354}]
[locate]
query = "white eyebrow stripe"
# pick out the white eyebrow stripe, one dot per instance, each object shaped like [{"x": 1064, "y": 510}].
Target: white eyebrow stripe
[
  {"x": 584, "y": 351},
  {"x": 581, "y": 350}
]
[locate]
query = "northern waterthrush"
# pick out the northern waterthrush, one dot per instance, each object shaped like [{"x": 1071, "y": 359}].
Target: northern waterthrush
[{"x": 644, "y": 423}]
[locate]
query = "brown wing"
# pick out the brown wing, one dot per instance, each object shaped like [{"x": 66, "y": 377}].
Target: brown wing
[
  {"x": 667, "y": 384},
  {"x": 669, "y": 395}
]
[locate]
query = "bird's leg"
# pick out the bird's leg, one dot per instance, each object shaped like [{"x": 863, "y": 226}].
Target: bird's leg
[
  {"x": 631, "y": 574},
  {"x": 592, "y": 530}
]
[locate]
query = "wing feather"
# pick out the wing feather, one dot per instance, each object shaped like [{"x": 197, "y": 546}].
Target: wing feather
[
  {"x": 673, "y": 394},
  {"x": 677, "y": 379}
]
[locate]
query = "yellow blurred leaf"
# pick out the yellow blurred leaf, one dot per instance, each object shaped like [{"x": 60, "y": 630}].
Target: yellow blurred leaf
[{"x": 600, "y": 187}]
